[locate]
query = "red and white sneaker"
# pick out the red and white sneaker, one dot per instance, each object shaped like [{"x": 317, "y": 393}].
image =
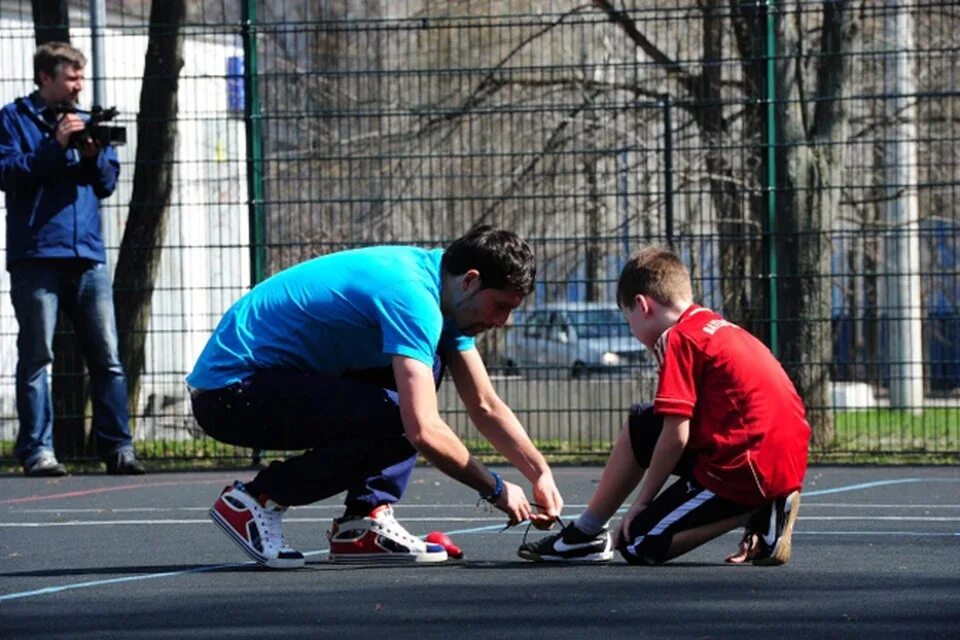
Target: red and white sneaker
[
  {"x": 378, "y": 537},
  {"x": 256, "y": 525}
]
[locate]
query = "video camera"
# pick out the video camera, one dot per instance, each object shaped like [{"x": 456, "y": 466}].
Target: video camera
[{"x": 95, "y": 130}]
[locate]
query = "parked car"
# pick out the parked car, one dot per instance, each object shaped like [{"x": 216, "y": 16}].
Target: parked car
[{"x": 576, "y": 337}]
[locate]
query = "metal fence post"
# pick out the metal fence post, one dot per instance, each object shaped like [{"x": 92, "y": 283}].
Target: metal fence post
[
  {"x": 668, "y": 167},
  {"x": 771, "y": 134},
  {"x": 251, "y": 117}
]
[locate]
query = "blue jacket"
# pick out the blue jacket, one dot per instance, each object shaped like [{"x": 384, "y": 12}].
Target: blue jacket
[{"x": 52, "y": 194}]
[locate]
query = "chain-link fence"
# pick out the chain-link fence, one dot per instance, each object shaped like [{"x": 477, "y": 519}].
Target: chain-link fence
[{"x": 800, "y": 156}]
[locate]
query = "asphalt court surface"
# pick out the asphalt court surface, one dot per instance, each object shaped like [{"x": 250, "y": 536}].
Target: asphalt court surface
[{"x": 876, "y": 555}]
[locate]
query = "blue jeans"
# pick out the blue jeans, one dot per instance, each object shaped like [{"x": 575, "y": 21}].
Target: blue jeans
[
  {"x": 350, "y": 427},
  {"x": 83, "y": 290}
]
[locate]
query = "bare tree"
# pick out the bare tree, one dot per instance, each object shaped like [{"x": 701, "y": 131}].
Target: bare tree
[
  {"x": 702, "y": 97},
  {"x": 51, "y": 21},
  {"x": 810, "y": 164},
  {"x": 142, "y": 244}
]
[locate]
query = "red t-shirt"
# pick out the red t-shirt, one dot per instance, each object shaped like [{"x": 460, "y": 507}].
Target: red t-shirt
[{"x": 748, "y": 430}]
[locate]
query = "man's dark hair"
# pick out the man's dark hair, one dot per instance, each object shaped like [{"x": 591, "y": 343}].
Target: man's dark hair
[
  {"x": 51, "y": 57},
  {"x": 502, "y": 258}
]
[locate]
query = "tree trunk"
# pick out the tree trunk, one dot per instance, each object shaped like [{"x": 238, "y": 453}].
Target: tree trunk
[
  {"x": 809, "y": 176},
  {"x": 140, "y": 250},
  {"x": 51, "y": 21},
  {"x": 738, "y": 230},
  {"x": 749, "y": 22},
  {"x": 806, "y": 333},
  {"x": 736, "y": 234}
]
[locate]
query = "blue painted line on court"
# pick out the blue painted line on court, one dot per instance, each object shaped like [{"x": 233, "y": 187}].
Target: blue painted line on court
[
  {"x": 100, "y": 583},
  {"x": 484, "y": 529}
]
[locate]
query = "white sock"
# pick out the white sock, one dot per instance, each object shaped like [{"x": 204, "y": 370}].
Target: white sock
[{"x": 590, "y": 523}]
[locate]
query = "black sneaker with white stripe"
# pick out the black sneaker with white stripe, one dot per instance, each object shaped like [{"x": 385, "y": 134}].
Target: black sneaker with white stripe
[
  {"x": 773, "y": 527},
  {"x": 570, "y": 545}
]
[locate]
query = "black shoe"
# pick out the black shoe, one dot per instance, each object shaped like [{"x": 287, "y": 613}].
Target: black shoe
[
  {"x": 45, "y": 466},
  {"x": 124, "y": 463},
  {"x": 775, "y": 531},
  {"x": 570, "y": 545}
]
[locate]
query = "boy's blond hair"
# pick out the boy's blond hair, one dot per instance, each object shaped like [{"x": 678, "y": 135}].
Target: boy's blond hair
[
  {"x": 52, "y": 57},
  {"x": 656, "y": 272}
]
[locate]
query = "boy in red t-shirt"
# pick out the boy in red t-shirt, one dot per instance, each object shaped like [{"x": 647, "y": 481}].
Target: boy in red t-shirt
[{"x": 726, "y": 419}]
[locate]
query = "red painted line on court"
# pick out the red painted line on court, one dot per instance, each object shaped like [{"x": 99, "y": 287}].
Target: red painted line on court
[{"x": 88, "y": 492}]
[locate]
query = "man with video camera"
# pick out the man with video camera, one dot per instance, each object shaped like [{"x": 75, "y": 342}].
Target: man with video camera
[{"x": 54, "y": 172}]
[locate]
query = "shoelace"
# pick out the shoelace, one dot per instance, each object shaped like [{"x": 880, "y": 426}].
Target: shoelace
[
  {"x": 389, "y": 522},
  {"x": 273, "y": 526},
  {"x": 526, "y": 532}
]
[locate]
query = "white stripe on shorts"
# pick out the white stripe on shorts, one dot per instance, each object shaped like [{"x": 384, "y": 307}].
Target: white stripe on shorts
[{"x": 673, "y": 516}]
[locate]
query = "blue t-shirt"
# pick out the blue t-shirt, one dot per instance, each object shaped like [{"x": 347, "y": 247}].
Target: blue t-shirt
[{"x": 347, "y": 311}]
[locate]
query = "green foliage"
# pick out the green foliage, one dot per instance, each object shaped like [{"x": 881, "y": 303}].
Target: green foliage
[{"x": 891, "y": 432}]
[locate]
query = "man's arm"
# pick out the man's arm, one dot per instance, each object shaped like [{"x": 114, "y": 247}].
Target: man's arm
[
  {"x": 497, "y": 423},
  {"x": 18, "y": 169},
  {"x": 102, "y": 167},
  {"x": 433, "y": 438}
]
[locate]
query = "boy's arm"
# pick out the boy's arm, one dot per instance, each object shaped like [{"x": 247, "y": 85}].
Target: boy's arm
[
  {"x": 666, "y": 454},
  {"x": 499, "y": 425}
]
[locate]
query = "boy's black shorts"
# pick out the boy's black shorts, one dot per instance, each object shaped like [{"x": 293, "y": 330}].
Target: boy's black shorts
[{"x": 682, "y": 506}]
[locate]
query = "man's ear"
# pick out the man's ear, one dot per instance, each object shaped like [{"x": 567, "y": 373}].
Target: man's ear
[{"x": 470, "y": 279}]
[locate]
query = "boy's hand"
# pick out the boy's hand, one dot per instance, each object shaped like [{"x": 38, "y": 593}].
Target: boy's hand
[{"x": 622, "y": 532}]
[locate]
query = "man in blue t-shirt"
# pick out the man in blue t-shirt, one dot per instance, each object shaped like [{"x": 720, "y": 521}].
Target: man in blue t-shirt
[{"x": 341, "y": 356}]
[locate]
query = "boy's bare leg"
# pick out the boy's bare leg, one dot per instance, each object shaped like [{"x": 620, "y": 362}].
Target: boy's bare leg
[
  {"x": 685, "y": 541},
  {"x": 620, "y": 477}
]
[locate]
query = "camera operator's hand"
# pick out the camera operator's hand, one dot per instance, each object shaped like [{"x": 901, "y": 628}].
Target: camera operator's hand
[
  {"x": 89, "y": 148},
  {"x": 68, "y": 125}
]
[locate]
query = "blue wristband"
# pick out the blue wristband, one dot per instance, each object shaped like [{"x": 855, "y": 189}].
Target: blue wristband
[{"x": 497, "y": 489}]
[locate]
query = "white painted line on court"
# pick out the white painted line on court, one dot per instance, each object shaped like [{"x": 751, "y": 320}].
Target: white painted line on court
[
  {"x": 911, "y": 534},
  {"x": 868, "y": 505}
]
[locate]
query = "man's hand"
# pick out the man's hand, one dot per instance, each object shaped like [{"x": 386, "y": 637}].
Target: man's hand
[
  {"x": 89, "y": 148},
  {"x": 549, "y": 501},
  {"x": 68, "y": 125},
  {"x": 513, "y": 502}
]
